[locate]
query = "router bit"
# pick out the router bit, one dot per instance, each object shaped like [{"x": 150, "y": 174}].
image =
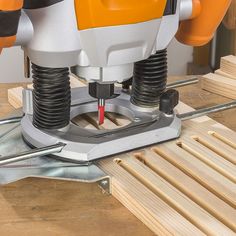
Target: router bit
[
  {"x": 102, "y": 92},
  {"x": 101, "y": 110}
]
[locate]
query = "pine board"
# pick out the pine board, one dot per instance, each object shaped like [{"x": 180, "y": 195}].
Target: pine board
[
  {"x": 15, "y": 97},
  {"x": 219, "y": 84},
  {"x": 181, "y": 187},
  {"x": 220, "y": 72},
  {"x": 228, "y": 65}
]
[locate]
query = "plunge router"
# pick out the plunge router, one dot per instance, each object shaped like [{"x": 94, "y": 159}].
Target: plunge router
[{"x": 104, "y": 42}]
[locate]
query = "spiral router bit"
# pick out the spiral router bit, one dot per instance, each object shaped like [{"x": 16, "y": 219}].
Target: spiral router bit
[{"x": 102, "y": 92}]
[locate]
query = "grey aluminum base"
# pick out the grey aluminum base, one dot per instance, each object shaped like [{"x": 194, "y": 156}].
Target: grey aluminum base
[
  {"x": 11, "y": 142},
  {"x": 84, "y": 145}
]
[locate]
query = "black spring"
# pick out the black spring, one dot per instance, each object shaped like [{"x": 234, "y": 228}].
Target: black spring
[
  {"x": 149, "y": 80},
  {"x": 51, "y": 97}
]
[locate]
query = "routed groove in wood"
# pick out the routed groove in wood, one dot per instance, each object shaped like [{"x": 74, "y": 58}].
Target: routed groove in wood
[
  {"x": 189, "y": 187},
  {"x": 147, "y": 206},
  {"x": 204, "y": 178},
  {"x": 222, "y": 152},
  {"x": 186, "y": 207},
  {"x": 222, "y": 139},
  {"x": 204, "y": 175},
  {"x": 212, "y": 159}
]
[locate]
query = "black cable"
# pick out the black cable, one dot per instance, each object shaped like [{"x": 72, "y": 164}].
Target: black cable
[
  {"x": 149, "y": 80},
  {"x": 51, "y": 97}
]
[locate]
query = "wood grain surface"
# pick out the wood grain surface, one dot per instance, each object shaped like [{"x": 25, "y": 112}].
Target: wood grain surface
[
  {"x": 204, "y": 157},
  {"x": 228, "y": 65},
  {"x": 219, "y": 84}
]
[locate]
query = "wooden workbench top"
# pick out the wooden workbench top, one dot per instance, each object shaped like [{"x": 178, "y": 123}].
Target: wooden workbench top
[{"x": 48, "y": 207}]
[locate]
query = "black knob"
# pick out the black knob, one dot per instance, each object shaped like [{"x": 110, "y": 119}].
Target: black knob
[{"x": 168, "y": 101}]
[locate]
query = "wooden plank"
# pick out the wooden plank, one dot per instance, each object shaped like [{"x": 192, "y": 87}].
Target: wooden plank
[
  {"x": 220, "y": 72},
  {"x": 146, "y": 205},
  {"x": 212, "y": 143},
  {"x": 189, "y": 187},
  {"x": 111, "y": 121},
  {"x": 217, "y": 147},
  {"x": 83, "y": 122},
  {"x": 15, "y": 97},
  {"x": 209, "y": 157},
  {"x": 176, "y": 199},
  {"x": 76, "y": 82},
  {"x": 203, "y": 174},
  {"x": 206, "y": 175},
  {"x": 117, "y": 119},
  {"x": 93, "y": 119},
  {"x": 217, "y": 138},
  {"x": 220, "y": 85},
  {"x": 228, "y": 65}
]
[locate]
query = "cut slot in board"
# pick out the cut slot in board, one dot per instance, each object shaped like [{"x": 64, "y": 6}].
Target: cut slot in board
[
  {"x": 181, "y": 187},
  {"x": 173, "y": 197},
  {"x": 111, "y": 121},
  {"x": 222, "y": 139},
  {"x": 209, "y": 158},
  {"x": 187, "y": 186}
]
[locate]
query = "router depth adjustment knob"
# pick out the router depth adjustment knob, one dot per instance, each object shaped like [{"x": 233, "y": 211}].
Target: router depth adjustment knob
[{"x": 168, "y": 101}]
